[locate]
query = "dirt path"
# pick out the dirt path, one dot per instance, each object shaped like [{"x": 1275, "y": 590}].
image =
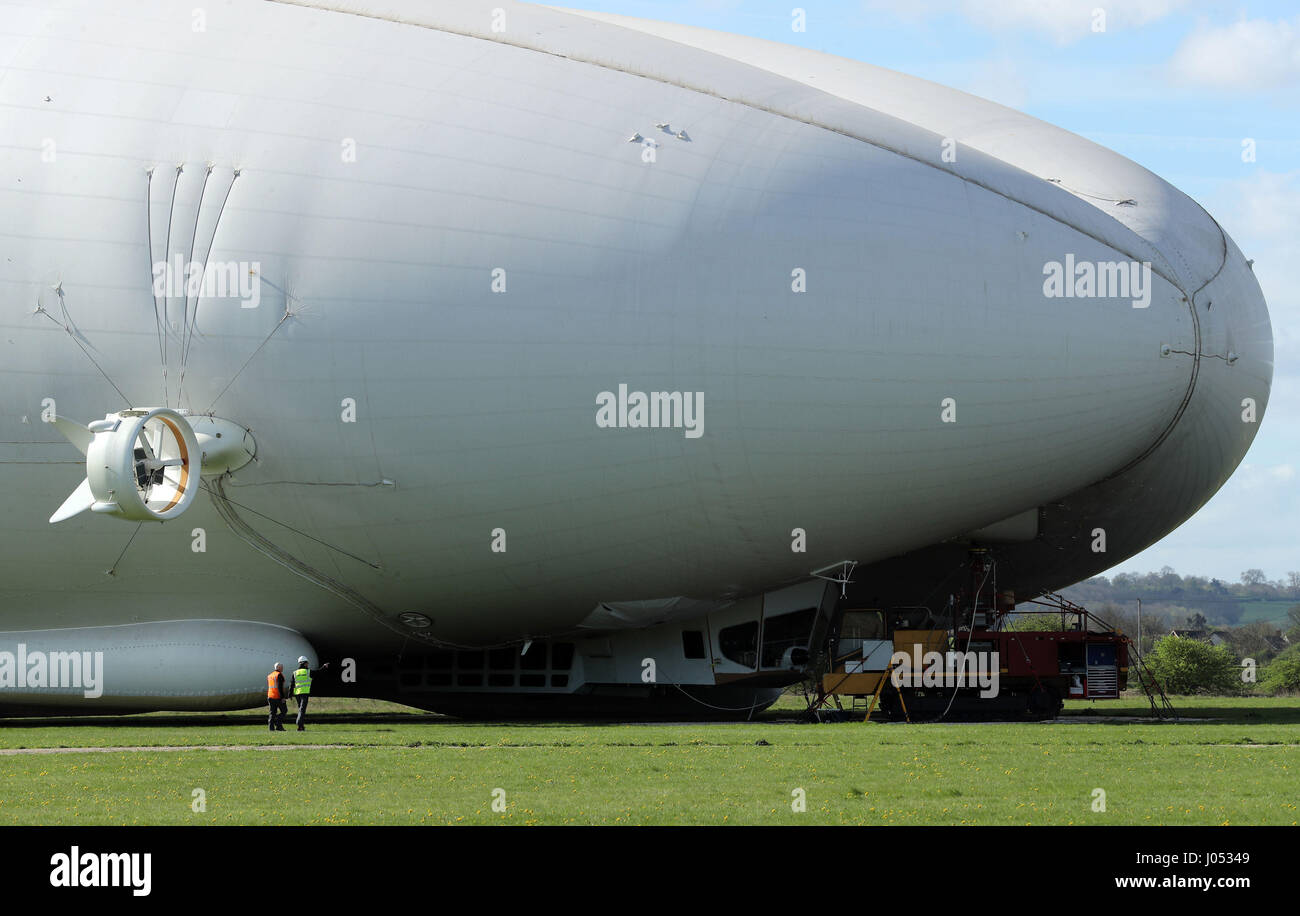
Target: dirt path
[{"x": 10, "y": 752}]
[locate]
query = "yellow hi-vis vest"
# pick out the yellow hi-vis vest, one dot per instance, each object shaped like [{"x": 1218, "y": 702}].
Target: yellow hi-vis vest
[{"x": 301, "y": 681}]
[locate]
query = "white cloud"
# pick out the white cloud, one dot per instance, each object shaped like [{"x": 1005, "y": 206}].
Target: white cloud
[
  {"x": 1267, "y": 205},
  {"x": 1250, "y": 523},
  {"x": 1249, "y": 54},
  {"x": 1065, "y": 20},
  {"x": 1269, "y": 477},
  {"x": 1262, "y": 214},
  {"x": 998, "y": 81}
]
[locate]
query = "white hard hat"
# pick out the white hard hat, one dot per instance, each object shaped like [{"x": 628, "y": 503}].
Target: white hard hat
[
  {"x": 279, "y": 666},
  {"x": 302, "y": 659}
]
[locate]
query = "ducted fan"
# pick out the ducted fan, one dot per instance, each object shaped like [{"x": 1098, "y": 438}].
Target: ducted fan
[{"x": 145, "y": 465}]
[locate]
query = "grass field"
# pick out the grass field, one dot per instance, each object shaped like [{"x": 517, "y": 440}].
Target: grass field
[
  {"x": 1229, "y": 761},
  {"x": 1266, "y": 611}
]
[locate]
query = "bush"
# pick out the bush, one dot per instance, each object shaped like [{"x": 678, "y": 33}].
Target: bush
[
  {"x": 1283, "y": 673},
  {"x": 1186, "y": 666}
]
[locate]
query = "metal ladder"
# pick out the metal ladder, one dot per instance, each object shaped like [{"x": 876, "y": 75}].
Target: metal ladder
[
  {"x": 875, "y": 697},
  {"x": 1164, "y": 708}
]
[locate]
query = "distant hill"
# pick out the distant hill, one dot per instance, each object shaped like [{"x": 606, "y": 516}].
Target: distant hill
[{"x": 1253, "y": 599}]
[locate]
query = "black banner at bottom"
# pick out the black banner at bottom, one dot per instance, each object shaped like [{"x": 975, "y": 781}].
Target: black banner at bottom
[{"x": 913, "y": 865}]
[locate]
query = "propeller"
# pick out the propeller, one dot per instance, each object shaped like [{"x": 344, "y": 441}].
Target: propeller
[
  {"x": 141, "y": 465},
  {"x": 145, "y": 465}
]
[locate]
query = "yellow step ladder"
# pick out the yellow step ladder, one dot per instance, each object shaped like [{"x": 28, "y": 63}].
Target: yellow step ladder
[{"x": 875, "y": 697}]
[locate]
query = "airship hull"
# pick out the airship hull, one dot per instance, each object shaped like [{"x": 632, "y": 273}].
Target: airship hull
[{"x": 455, "y": 255}]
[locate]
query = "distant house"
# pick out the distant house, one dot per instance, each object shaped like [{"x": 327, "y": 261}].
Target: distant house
[
  {"x": 1221, "y": 636},
  {"x": 1215, "y": 636},
  {"x": 1277, "y": 642}
]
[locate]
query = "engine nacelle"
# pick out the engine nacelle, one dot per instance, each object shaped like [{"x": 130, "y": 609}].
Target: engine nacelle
[{"x": 145, "y": 465}]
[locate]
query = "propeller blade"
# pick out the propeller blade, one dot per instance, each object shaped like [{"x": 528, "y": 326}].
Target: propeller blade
[
  {"x": 74, "y": 432},
  {"x": 153, "y": 464},
  {"x": 80, "y": 500},
  {"x": 148, "y": 446}
]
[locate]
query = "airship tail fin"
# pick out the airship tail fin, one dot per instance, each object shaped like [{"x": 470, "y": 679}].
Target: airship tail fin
[
  {"x": 75, "y": 433},
  {"x": 80, "y": 500}
]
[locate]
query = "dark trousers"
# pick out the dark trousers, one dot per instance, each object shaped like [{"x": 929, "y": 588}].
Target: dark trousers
[
  {"x": 302, "y": 699},
  {"x": 275, "y": 718}
]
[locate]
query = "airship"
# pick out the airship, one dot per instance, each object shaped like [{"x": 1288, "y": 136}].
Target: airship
[{"x": 528, "y": 360}]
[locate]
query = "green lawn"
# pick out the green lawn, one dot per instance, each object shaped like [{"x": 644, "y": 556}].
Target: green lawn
[
  {"x": 1268, "y": 611},
  {"x": 401, "y": 766}
]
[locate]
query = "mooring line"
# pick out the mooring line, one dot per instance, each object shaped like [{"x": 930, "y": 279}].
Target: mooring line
[
  {"x": 148, "y": 209},
  {"x": 212, "y": 240},
  {"x": 185, "y": 317},
  {"x": 68, "y": 330}
]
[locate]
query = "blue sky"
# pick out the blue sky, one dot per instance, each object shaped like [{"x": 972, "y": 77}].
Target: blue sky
[{"x": 1175, "y": 85}]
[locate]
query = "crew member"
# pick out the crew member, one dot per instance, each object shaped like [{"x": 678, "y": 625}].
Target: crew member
[
  {"x": 302, "y": 687},
  {"x": 275, "y": 698}
]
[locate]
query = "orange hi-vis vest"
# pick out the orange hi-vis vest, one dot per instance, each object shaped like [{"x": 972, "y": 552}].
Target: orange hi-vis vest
[{"x": 272, "y": 689}]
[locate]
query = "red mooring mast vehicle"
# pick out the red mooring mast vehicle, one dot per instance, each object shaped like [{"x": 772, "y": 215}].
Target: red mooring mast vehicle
[{"x": 979, "y": 658}]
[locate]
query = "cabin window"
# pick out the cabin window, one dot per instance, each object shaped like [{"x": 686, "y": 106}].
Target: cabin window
[
  {"x": 562, "y": 656},
  {"x": 693, "y": 643},
  {"x": 787, "y": 631},
  {"x": 534, "y": 659},
  {"x": 740, "y": 643}
]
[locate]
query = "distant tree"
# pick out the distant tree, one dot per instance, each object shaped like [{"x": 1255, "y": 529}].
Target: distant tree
[
  {"x": 1198, "y": 584},
  {"x": 1186, "y": 666},
  {"x": 1155, "y": 623},
  {"x": 1253, "y": 577},
  {"x": 1023, "y": 623},
  {"x": 1293, "y": 621},
  {"x": 1293, "y": 581},
  {"x": 1108, "y": 611},
  {"x": 1228, "y": 614}
]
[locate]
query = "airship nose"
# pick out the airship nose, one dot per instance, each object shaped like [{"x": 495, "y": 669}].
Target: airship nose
[
  {"x": 1236, "y": 366},
  {"x": 1231, "y": 375},
  {"x": 1219, "y": 342}
]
